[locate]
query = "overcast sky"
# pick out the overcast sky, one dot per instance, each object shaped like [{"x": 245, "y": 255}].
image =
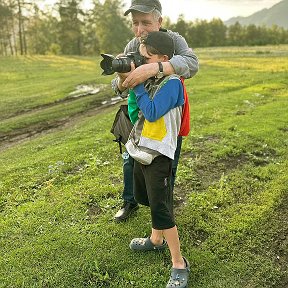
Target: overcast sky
[
  {"x": 203, "y": 9},
  {"x": 207, "y": 9}
]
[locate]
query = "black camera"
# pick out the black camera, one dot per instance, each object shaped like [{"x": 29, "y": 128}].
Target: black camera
[{"x": 122, "y": 64}]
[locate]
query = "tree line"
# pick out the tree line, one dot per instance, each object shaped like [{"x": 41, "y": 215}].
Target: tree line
[{"x": 66, "y": 28}]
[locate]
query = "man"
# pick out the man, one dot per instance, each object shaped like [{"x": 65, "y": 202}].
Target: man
[{"x": 146, "y": 17}]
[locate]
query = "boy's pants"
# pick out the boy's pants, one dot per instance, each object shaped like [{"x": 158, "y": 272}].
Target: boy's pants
[
  {"x": 152, "y": 188},
  {"x": 128, "y": 164}
]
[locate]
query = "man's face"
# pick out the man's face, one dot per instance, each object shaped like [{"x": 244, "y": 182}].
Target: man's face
[{"x": 142, "y": 23}]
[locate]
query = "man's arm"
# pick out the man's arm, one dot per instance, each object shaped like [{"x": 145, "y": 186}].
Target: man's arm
[{"x": 184, "y": 63}]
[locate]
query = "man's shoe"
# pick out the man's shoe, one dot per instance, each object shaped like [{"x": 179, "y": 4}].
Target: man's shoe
[{"x": 126, "y": 210}]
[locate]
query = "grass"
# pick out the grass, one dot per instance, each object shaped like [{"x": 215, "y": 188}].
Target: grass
[
  {"x": 35, "y": 92},
  {"x": 60, "y": 189}
]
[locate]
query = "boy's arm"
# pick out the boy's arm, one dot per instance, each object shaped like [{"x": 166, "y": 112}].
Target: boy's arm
[{"x": 167, "y": 98}]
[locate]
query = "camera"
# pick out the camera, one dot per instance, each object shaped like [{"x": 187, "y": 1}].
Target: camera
[{"x": 122, "y": 64}]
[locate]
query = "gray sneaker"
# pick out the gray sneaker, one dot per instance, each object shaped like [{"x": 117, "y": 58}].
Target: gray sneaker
[
  {"x": 179, "y": 277},
  {"x": 145, "y": 244}
]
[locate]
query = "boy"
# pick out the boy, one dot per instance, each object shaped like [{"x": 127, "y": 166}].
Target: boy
[{"x": 152, "y": 144}]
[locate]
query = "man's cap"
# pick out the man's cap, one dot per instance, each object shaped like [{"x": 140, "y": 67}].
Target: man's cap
[
  {"x": 161, "y": 41},
  {"x": 144, "y": 6}
]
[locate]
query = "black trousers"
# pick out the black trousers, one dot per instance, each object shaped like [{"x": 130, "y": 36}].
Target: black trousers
[{"x": 152, "y": 187}]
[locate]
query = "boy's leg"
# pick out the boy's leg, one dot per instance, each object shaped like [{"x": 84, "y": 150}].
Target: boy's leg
[
  {"x": 172, "y": 238},
  {"x": 179, "y": 276},
  {"x": 157, "y": 237},
  {"x": 158, "y": 183}
]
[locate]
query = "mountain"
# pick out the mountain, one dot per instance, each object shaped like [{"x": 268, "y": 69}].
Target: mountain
[{"x": 277, "y": 14}]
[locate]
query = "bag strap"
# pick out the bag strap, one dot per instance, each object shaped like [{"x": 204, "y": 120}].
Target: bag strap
[{"x": 118, "y": 140}]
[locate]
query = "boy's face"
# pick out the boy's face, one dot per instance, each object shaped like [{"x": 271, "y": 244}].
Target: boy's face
[
  {"x": 143, "y": 23},
  {"x": 151, "y": 58}
]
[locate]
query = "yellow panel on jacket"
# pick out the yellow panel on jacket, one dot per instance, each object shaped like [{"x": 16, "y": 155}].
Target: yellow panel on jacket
[{"x": 154, "y": 130}]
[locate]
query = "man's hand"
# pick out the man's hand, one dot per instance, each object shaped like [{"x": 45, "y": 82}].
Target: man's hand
[
  {"x": 123, "y": 77},
  {"x": 140, "y": 74}
]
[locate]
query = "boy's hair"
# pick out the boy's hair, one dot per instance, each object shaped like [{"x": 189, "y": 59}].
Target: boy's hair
[
  {"x": 158, "y": 42},
  {"x": 151, "y": 50}
]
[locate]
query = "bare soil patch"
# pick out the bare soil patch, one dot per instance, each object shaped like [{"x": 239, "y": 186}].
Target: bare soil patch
[{"x": 32, "y": 131}]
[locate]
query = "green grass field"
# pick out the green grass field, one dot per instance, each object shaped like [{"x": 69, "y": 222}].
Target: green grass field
[{"x": 61, "y": 177}]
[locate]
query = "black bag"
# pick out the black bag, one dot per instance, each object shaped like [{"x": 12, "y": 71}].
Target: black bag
[{"x": 122, "y": 126}]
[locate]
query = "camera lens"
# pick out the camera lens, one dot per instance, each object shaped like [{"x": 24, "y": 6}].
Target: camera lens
[
  {"x": 106, "y": 64},
  {"x": 121, "y": 65}
]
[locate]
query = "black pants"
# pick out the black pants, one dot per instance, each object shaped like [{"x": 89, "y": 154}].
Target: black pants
[
  {"x": 128, "y": 166},
  {"x": 152, "y": 187}
]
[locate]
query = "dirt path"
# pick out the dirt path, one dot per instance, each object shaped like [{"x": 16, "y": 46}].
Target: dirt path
[{"x": 33, "y": 131}]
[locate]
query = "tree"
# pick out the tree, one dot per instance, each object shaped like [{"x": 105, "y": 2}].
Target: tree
[
  {"x": 23, "y": 8},
  {"x": 198, "y": 34},
  {"x": 181, "y": 26},
  {"x": 235, "y": 34},
  {"x": 26, "y": 29},
  {"x": 251, "y": 34},
  {"x": 91, "y": 44},
  {"x": 112, "y": 28},
  {"x": 166, "y": 23},
  {"x": 70, "y": 27},
  {"x": 5, "y": 14},
  {"x": 217, "y": 33},
  {"x": 42, "y": 32}
]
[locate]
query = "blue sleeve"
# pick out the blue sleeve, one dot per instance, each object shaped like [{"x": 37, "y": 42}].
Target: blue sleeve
[{"x": 168, "y": 97}]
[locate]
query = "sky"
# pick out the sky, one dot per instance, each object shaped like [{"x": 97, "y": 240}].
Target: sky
[
  {"x": 207, "y": 9},
  {"x": 203, "y": 9}
]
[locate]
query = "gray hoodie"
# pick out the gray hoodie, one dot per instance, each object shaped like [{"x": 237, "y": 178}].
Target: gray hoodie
[{"x": 184, "y": 61}]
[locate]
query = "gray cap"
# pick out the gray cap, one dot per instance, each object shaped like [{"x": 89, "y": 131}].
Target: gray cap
[{"x": 144, "y": 6}]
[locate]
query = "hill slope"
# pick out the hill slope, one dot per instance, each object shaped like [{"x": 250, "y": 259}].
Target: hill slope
[{"x": 277, "y": 14}]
